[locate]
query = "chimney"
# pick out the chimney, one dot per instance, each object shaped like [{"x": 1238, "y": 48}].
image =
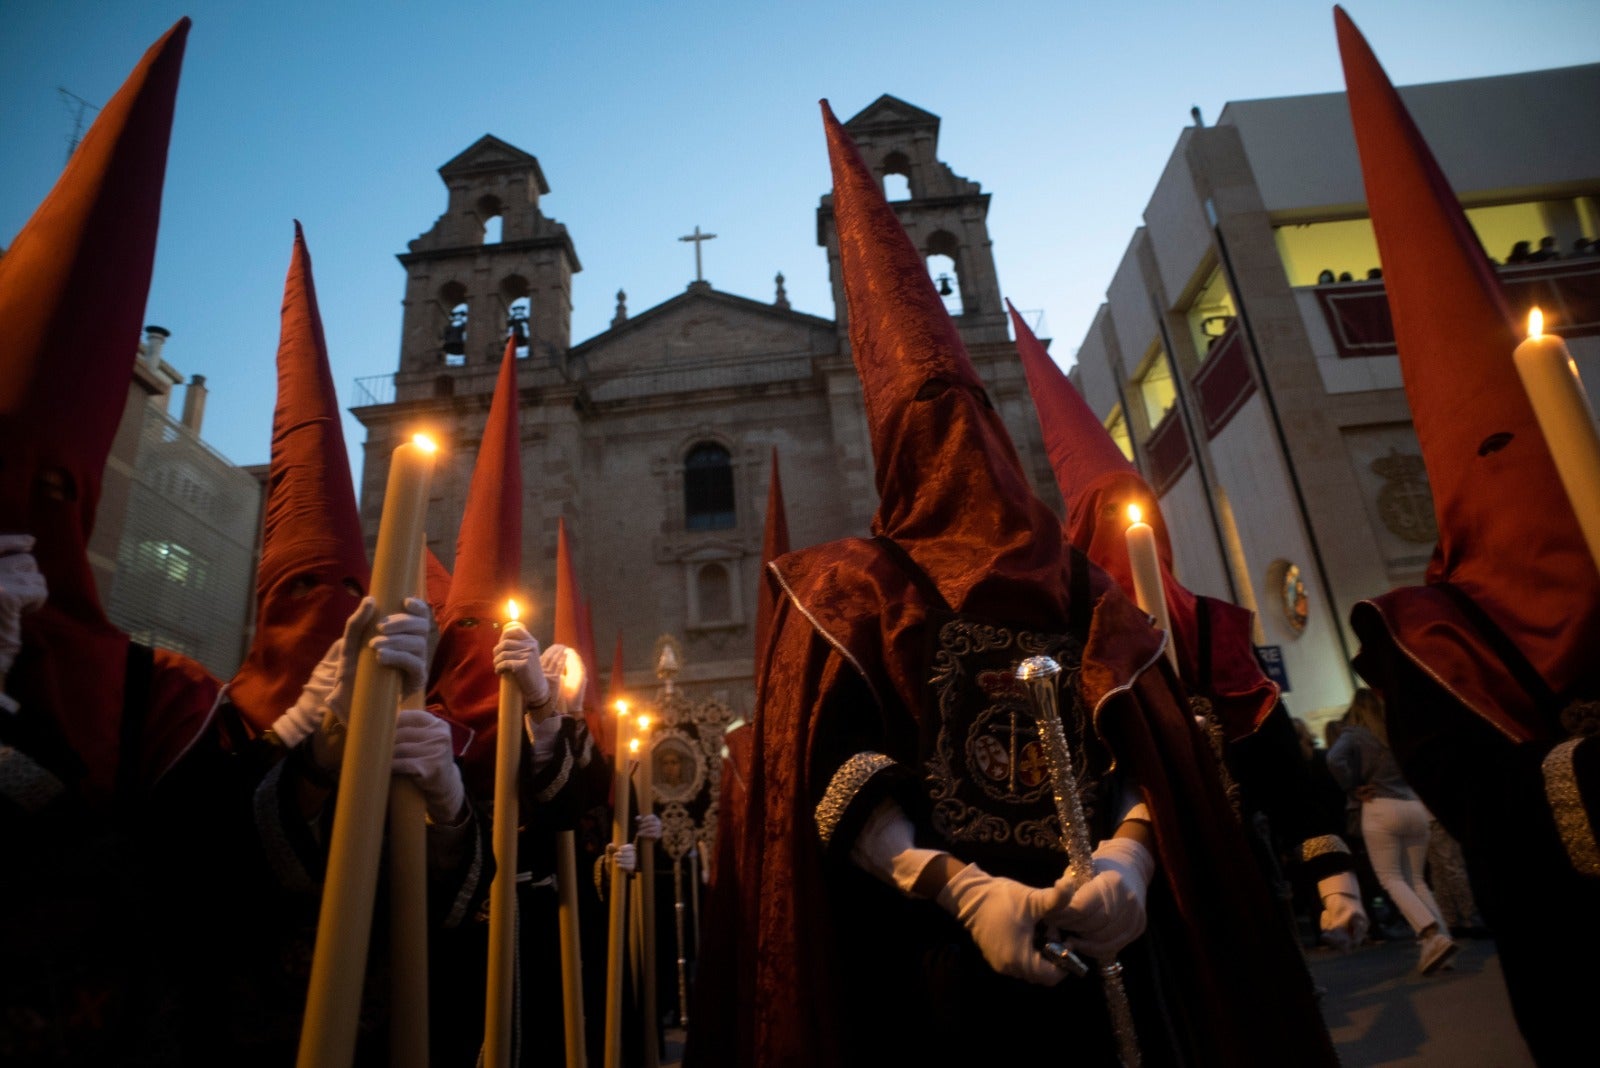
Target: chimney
[
  {"x": 194, "y": 403},
  {"x": 154, "y": 338}
]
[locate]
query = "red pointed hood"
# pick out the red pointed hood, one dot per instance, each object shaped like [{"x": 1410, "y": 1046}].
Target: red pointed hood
[
  {"x": 1508, "y": 538},
  {"x": 951, "y": 489},
  {"x": 1098, "y": 483},
  {"x": 313, "y": 569},
  {"x": 438, "y": 581},
  {"x": 488, "y": 571},
  {"x": 774, "y": 543},
  {"x": 72, "y": 295}
]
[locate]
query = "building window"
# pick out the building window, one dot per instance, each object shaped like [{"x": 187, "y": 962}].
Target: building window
[
  {"x": 174, "y": 563},
  {"x": 713, "y": 594},
  {"x": 708, "y": 488},
  {"x": 1153, "y": 384},
  {"x": 1117, "y": 427},
  {"x": 1212, "y": 312}
]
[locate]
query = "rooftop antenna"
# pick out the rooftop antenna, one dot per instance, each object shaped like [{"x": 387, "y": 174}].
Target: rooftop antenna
[
  {"x": 1194, "y": 113},
  {"x": 80, "y": 109}
]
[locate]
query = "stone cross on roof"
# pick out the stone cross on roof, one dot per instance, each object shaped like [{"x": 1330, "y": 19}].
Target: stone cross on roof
[{"x": 697, "y": 237}]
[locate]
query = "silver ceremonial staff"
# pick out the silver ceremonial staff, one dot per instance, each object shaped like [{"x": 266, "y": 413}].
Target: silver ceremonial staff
[{"x": 1040, "y": 674}]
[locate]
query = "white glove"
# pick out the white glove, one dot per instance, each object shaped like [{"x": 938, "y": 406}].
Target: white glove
[
  {"x": 305, "y": 715},
  {"x": 422, "y": 753},
  {"x": 565, "y": 670},
  {"x": 626, "y": 856},
  {"x": 544, "y": 734},
  {"x": 517, "y": 654},
  {"x": 1107, "y": 912},
  {"x": 22, "y": 589},
  {"x": 648, "y": 826},
  {"x": 401, "y": 643},
  {"x": 1344, "y": 921},
  {"x": 1002, "y": 915}
]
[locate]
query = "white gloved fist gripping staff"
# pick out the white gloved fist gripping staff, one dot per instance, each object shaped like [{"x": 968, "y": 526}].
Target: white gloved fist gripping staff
[
  {"x": 517, "y": 654},
  {"x": 22, "y": 589},
  {"x": 1002, "y": 916},
  {"x": 1106, "y": 913},
  {"x": 422, "y": 753},
  {"x": 1344, "y": 921}
]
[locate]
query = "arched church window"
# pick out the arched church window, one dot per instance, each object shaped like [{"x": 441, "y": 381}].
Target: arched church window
[
  {"x": 713, "y": 593},
  {"x": 455, "y": 336},
  {"x": 517, "y": 325},
  {"x": 489, "y": 212},
  {"x": 444, "y": 386},
  {"x": 945, "y": 269},
  {"x": 897, "y": 177},
  {"x": 708, "y": 488}
]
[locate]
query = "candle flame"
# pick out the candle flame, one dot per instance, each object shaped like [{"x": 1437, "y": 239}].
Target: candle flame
[
  {"x": 644, "y": 723},
  {"x": 513, "y": 613},
  {"x": 633, "y": 745},
  {"x": 1135, "y": 513},
  {"x": 1535, "y": 323},
  {"x": 424, "y": 442},
  {"x": 622, "y": 707}
]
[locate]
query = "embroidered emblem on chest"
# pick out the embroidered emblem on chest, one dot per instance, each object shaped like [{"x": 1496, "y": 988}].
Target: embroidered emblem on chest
[{"x": 987, "y": 777}]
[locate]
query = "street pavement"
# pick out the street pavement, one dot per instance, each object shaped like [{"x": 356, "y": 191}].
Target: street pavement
[{"x": 1382, "y": 1013}]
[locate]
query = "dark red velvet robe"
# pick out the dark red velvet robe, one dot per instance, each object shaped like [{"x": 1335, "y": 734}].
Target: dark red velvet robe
[{"x": 848, "y": 640}]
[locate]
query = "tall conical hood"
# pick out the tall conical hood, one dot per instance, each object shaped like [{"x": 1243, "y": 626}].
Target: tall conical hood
[
  {"x": 488, "y": 571},
  {"x": 951, "y": 489},
  {"x": 1508, "y": 538},
  {"x": 438, "y": 580},
  {"x": 72, "y": 294},
  {"x": 1098, "y": 483},
  {"x": 774, "y": 543},
  {"x": 313, "y": 570}
]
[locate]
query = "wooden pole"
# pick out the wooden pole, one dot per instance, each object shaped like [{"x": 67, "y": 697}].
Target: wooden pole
[
  {"x": 616, "y": 928},
  {"x": 503, "y": 891},
  {"x": 647, "y": 906},
  {"x": 408, "y": 901},
  {"x": 344, "y": 924},
  {"x": 571, "y": 952}
]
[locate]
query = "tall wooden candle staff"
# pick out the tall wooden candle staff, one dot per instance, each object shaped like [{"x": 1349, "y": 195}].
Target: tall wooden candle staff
[
  {"x": 503, "y": 891},
  {"x": 408, "y": 899},
  {"x": 344, "y": 924},
  {"x": 1040, "y": 675},
  {"x": 616, "y": 929},
  {"x": 647, "y": 900}
]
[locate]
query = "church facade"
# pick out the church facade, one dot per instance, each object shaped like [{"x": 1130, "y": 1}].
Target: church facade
[{"x": 653, "y": 438}]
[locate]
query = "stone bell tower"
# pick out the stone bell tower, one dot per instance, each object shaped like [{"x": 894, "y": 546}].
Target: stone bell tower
[
  {"x": 945, "y": 215},
  {"x": 491, "y": 265}
]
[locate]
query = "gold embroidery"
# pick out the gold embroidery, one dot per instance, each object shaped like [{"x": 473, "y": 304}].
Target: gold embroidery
[
  {"x": 846, "y": 783},
  {"x": 1322, "y": 845},
  {"x": 1206, "y": 717},
  {"x": 1566, "y": 804}
]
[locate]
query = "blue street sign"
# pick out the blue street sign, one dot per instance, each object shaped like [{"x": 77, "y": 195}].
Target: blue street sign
[{"x": 1271, "y": 660}]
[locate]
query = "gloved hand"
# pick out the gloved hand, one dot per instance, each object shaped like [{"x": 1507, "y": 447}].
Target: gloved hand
[
  {"x": 1107, "y": 912},
  {"x": 1001, "y": 915},
  {"x": 22, "y": 589},
  {"x": 627, "y": 857},
  {"x": 401, "y": 643},
  {"x": 517, "y": 654},
  {"x": 648, "y": 826},
  {"x": 422, "y": 752},
  {"x": 1344, "y": 921},
  {"x": 544, "y": 734},
  {"x": 304, "y": 717},
  {"x": 565, "y": 671}
]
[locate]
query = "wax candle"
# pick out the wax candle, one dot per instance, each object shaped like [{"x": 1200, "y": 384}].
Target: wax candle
[
  {"x": 1148, "y": 589},
  {"x": 1562, "y": 408},
  {"x": 647, "y": 895},
  {"x": 616, "y": 928},
  {"x": 408, "y": 899},
  {"x": 344, "y": 923},
  {"x": 503, "y": 891}
]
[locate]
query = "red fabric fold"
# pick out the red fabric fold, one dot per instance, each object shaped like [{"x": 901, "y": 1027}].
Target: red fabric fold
[
  {"x": 1508, "y": 538},
  {"x": 488, "y": 572},
  {"x": 774, "y": 543},
  {"x": 313, "y": 570}
]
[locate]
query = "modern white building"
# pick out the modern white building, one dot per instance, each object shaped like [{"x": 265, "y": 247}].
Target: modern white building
[{"x": 1245, "y": 359}]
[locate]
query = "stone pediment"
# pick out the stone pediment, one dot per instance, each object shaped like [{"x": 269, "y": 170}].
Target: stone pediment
[
  {"x": 489, "y": 154},
  {"x": 891, "y": 111},
  {"x": 703, "y": 324}
]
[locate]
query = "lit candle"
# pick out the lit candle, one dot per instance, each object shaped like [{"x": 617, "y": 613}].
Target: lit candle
[
  {"x": 408, "y": 899},
  {"x": 503, "y": 891},
  {"x": 616, "y": 929},
  {"x": 1148, "y": 589},
  {"x": 1562, "y": 408},
  {"x": 344, "y": 924}
]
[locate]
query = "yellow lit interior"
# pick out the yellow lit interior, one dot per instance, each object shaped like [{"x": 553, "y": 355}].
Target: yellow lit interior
[
  {"x": 1154, "y": 385},
  {"x": 1209, "y": 315},
  {"x": 1117, "y": 427}
]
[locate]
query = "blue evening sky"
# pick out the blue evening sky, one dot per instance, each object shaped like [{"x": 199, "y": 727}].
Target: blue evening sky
[{"x": 652, "y": 118}]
